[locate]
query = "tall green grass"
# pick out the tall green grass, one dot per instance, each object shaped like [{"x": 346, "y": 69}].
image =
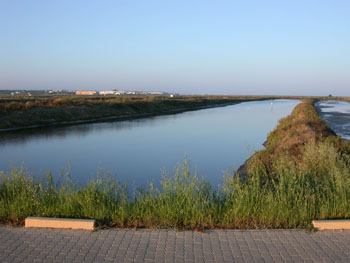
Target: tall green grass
[{"x": 316, "y": 188}]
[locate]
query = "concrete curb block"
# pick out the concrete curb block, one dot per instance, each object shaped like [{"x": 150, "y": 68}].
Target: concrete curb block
[
  {"x": 331, "y": 224},
  {"x": 48, "y": 222}
]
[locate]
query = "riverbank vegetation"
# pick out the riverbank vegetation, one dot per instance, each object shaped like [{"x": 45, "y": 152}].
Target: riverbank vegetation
[
  {"x": 36, "y": 111},
  {"x": 48, "y": 110},
  {"x": 303, "y": 174}
]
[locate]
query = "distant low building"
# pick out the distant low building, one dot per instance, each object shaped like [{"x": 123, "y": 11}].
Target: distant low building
[
  {"x": 85, "y": 92},
  {"x": 106, "y": 92},
  {"x": 111, "y": 92},
  {"x": 15, "y": 93},
  {"x": 154, "y": 93}
]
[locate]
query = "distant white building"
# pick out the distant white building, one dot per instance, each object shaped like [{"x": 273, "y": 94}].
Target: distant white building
[
  {"x": 106, "y": 92},
  {"x": 111, "y": 92},
  {"x": 155, "y": 93}
]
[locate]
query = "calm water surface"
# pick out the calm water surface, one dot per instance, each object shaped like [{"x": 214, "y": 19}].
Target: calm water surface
[
  {"x": 337, "y": 115},
  {"x": 137, "y": 151}
]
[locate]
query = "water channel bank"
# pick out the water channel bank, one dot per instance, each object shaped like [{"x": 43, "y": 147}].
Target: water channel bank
[
  {"x": 302, "y": 175},
  {"x": 37, "y": 112},
  {"x": 137, "y": 151}
]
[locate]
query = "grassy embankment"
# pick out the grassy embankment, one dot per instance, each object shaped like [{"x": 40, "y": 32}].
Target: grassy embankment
[
  {"x": 48, "y": 110},
  {"x": 302, "y": 175}
]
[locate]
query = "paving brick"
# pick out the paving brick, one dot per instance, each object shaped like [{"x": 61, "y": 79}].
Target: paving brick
[{"x": 118, "y": 245}]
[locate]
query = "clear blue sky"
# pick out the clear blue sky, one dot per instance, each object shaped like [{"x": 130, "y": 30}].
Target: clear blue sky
[{"x": 216, "y": 47}]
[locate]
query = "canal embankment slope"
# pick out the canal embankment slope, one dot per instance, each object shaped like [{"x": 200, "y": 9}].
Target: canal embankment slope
[
  {"x": 302, "y": 127},
  {"x": 31, "y": 112},
  {"x": 40, "y": 111}
]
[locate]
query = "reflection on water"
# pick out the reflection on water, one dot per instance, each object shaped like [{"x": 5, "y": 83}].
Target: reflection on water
[
  {"x": 271, "y": 105},
  {"x": 214, "y": 140},
  {"x": 60, "y": 132}
]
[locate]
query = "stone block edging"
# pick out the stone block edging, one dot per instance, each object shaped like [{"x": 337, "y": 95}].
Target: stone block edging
[
  {"x": 331, "y": 224},
  {"x": 49, "y": 222}
]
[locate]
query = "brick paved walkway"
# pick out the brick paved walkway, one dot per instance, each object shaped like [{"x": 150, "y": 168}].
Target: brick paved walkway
[{"x": 52, "y": 245}]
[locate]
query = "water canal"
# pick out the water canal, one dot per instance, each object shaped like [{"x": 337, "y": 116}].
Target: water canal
[{"x": 138, "y": 151}]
